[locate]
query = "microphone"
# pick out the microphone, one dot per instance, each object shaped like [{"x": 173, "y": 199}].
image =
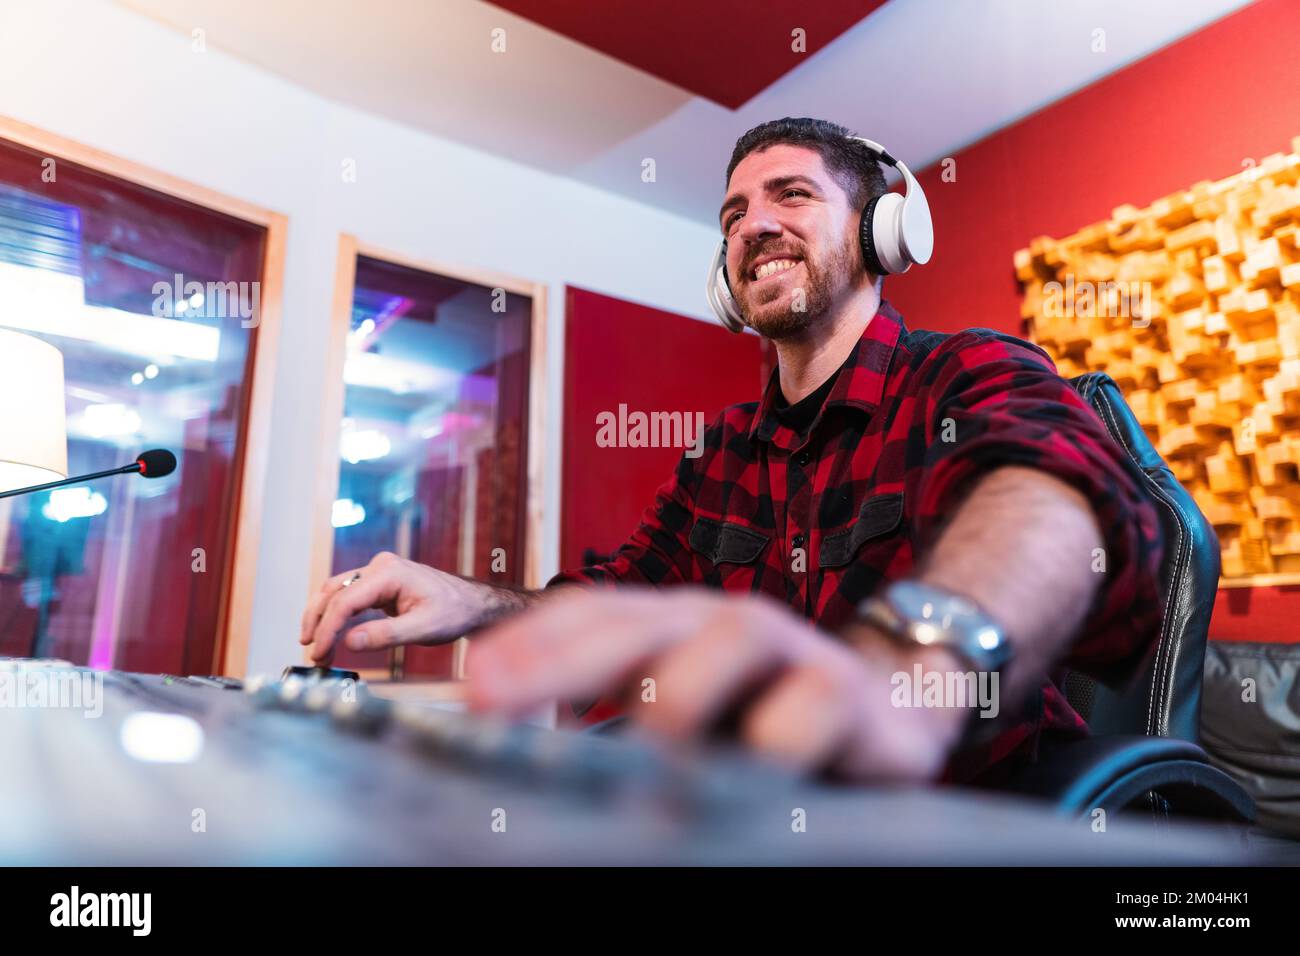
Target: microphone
[{"x": 155, "y": 463}]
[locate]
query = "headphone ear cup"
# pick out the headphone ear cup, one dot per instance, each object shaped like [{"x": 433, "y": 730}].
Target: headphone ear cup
[
  {"x": 916, "y": 230},
  {"x": 886, "y": 241},
  {"x": 867, "y": 237},
  {"x": 730, "y": 316},
  {"x": 717, "y": 292}
]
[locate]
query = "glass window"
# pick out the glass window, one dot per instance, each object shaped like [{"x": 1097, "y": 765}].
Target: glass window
[
  {"x": 433, "y": 443},
  {"x": 153, "y": 302}
]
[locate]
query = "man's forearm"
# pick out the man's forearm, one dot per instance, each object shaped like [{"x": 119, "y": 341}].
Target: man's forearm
[
  {"x": 502, "y": 600},
  {"x": 1023, "y": 545},
  {"x": 498, "y": 601}
]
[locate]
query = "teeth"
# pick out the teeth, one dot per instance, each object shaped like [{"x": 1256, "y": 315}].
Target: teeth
[{"x": 776, "y": 265}]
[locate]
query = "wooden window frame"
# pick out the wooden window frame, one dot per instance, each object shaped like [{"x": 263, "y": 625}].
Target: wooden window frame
[
  {"x": 349, "y": 248},
  {"x": 235, "y": 627}
]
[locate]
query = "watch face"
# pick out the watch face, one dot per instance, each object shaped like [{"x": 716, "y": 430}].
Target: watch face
[
  {"x": 918, "y": 603},
  {"x": 936, "y": 616}
]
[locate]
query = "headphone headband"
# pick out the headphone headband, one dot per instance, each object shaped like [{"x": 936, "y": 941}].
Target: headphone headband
[{"x": 895, "y": 233}]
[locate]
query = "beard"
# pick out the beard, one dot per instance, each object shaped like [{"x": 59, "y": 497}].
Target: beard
[{"x": 778, "y": 312}]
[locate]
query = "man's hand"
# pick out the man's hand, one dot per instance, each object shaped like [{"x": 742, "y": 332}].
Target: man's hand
[
  {"x": 424, "y": 606},
  {"x": 804, "y": 698}
]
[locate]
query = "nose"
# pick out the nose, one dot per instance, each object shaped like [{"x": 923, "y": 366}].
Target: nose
[{"x": 757, "y": 225}]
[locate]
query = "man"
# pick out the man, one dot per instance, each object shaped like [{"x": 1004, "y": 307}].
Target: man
[{"x": 957, "y": 478}]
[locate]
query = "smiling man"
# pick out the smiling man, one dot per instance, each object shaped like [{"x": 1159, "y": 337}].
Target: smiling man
[{"x": 897, "y": 506}]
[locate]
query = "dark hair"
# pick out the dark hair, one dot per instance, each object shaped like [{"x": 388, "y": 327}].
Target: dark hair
[{"x": 852, "y": 164}]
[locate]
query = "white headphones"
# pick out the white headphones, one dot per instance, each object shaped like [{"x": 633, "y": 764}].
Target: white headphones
[{"x": 895, "y": 230}]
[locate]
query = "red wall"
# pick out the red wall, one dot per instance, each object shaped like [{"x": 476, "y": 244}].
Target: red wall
[
  {"x": 1192, "y": 111},
  {"x": 620, "y": 352}
]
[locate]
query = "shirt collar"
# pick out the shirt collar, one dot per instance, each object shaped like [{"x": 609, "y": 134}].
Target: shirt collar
[{"x": 860, "y": 383}]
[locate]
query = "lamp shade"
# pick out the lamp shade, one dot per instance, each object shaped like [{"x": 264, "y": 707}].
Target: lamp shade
[{"x": 33, "y": 426}]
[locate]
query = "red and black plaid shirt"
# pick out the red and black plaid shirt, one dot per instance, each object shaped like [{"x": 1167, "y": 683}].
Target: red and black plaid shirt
[{"x": 911, "y": 420}]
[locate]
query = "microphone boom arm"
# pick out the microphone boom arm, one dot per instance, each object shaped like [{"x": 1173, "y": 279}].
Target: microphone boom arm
[
  {"x": 124, "y": 470},
  {"x": 156, "y": 463}
]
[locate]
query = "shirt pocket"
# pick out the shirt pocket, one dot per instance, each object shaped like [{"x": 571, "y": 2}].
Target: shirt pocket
[
  {"x": 724, "y": 542},
  {"x": 879, "y": 515}
]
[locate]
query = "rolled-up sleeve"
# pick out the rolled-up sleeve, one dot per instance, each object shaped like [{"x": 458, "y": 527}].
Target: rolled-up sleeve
[{"x": 993, "y": 400}]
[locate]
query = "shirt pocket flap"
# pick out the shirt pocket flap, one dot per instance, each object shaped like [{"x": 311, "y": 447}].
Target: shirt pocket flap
[
  {"x": 723, "y": 542},
  {"x": 878, "y": 515}
]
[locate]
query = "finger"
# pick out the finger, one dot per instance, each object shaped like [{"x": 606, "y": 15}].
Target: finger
[
  {"x": 891, "y": 743},
  {"x": 698, "y": 679},
  {"x": 383, "y": 633},
  {"x": 311, "y": 616},
  {"x": 804, "y": 720},
  {"x": 324, "y": 658},
  {"x": 376, "y": 588},
  {"x": 316, "y": 604},
  {"x": 578, "y": 646}
]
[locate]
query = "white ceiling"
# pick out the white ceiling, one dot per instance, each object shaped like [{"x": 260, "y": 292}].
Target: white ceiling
[{"x": 924, "y": 77}]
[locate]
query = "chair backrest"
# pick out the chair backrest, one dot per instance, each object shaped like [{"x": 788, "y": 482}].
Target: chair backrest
[{"x": 1163, "y": 698}]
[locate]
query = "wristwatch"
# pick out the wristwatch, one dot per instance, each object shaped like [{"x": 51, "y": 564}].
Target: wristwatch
[{"x": 915, "y": 613}]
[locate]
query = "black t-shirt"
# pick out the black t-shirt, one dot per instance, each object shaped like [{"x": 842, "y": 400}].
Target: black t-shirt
[{"x": 800, "y": 415}]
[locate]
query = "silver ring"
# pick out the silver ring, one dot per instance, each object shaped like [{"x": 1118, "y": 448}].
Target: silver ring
[{"x": 352, "y": 580}]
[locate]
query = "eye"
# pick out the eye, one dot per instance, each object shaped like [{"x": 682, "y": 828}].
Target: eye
[{"x": 732, "y": 218}]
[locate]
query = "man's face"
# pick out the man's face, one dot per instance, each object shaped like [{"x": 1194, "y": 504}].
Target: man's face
[{"x": 782, "y": 204}]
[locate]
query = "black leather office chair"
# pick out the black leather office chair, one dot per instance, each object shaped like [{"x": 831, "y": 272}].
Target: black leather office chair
[{"x": 1145, "y": 751}]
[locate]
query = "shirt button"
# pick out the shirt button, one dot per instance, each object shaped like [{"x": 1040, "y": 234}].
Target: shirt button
[
  {"x": 803, "y": 458},
  {"x": 797, "y": 541}
]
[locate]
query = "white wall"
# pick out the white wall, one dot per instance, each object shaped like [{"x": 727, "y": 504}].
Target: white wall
[{"x": 96, "y": 73}]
